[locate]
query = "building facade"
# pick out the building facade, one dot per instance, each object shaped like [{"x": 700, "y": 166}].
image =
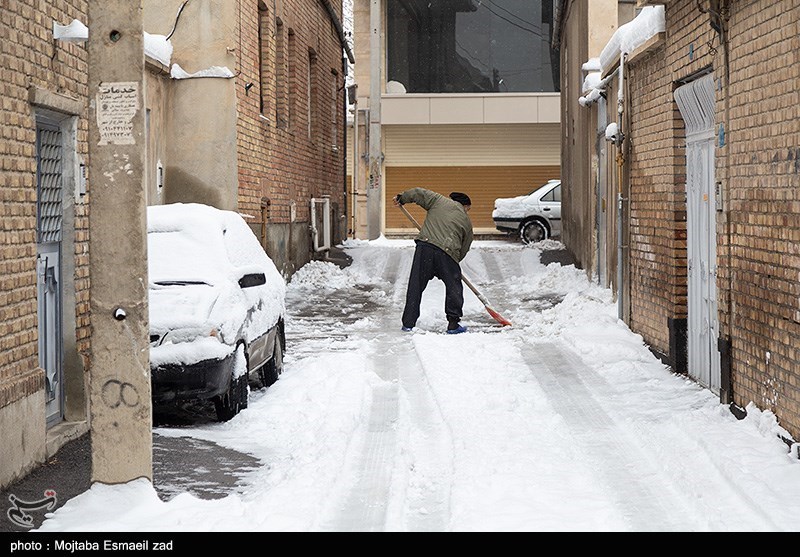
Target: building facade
[
  {"x": 44, "y": 277},
  {"x": 262, "y": 128},
  {"x": 703, "y": 144},
  {"x": 452, "y": 95}
]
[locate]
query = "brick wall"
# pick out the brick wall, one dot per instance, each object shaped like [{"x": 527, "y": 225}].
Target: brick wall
[
  {"x": 30, "y": 57},
  {"x": 758, "y": 167},
  {"x": 763, "y": 147},
  {"x": 279, "y": 163},
  {"x": 657, "y": 221}
]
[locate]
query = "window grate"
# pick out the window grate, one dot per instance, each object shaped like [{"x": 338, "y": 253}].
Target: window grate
[{"x": 49, "y": 183}]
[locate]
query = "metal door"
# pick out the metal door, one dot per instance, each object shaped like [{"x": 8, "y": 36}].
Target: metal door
[
  {"x": 696, "y": 103},
  {"x": 49, "y": 213}
]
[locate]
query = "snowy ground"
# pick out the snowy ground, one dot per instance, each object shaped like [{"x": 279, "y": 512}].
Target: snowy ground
[{"x": 562, "y": 422}]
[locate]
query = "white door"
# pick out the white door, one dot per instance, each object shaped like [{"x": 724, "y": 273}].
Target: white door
[{"x": 696, "y": 103}]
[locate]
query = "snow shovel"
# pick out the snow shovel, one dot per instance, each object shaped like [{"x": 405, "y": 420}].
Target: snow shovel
[{"x": 497, "y": 317}]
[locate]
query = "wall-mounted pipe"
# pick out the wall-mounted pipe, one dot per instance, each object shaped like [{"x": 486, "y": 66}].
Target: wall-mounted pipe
[{"x": 620, "y": 197}]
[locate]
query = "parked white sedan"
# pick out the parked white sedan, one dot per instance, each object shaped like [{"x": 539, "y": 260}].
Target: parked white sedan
[
  {"x": 534, "y": 217},
  {"x": 217, "y": 305}
]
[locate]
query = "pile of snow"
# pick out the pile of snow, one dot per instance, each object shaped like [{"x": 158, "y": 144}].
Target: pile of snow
[{"x": 326, "y": 275}]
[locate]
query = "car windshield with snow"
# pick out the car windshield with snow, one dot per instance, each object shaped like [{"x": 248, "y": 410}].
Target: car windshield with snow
[
  {"x": 534, "y": 217},
  {"x": 217, "y": 306}
]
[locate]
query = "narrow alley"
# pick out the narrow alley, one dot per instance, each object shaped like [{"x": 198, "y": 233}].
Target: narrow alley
[{"x": 562, "y": 422}]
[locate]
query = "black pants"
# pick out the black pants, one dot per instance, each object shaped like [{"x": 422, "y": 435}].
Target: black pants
[{"x": 430, "y": 262}]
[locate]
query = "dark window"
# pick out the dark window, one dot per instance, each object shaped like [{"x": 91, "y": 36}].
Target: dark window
[
  {"x": 472, "y": 46},
  {"x": 263, "y": 55},
  {"x": 292, "y": 79},
  {"x": 281, "y": 76},
  {"x": 313, "y": 95}
]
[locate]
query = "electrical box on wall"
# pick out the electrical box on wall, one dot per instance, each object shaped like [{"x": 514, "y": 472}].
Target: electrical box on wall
[
  {"x": 159, "y": 177},
  {"x": 718, "y": 197},
  {"x": 81, "y": 180}
]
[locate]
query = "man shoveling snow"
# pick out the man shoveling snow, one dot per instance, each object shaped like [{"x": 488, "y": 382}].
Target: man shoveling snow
[{"x": 442, "y": 243}]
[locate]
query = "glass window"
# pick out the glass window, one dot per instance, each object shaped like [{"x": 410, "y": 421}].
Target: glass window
[
  {"x": 553, "y": 195},
  {"x": 472, "y": 46}
]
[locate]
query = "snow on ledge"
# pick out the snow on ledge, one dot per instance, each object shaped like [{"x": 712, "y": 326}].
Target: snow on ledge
[
  {"x": 633, "y": 34},
  {"x": 158, "y": 47},
  {"x": 214, "y": 71},
  {"x": 75, "y": 32}
]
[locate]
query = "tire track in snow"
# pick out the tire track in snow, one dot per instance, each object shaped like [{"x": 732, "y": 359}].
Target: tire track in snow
[
  {"x": 365, "y": 506},
  {"x": 420, "y": 472},
  {"x": 643, "y": 498},
  {"x": 430, "y": 450},
  {"x": 689, "y": 511}
]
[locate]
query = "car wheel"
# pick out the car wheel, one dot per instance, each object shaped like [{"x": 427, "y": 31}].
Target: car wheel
[
  {"x": 235, "y": 398},
  {"x": 274, "y": 367},
  {"x": 533, "y": 231}
]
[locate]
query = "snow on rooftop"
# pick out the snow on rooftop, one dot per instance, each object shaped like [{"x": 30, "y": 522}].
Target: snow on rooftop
[
  {"x": 158, "y": 47},
  {"x": 592, "y": 81},
  {"x": 633, "y": 34},
  {"x": 592, "y": 65}
]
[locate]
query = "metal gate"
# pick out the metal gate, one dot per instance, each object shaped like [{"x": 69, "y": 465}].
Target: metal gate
[
  {"x": 696, "y": 103},
  {"x": 49, "y": 217}
]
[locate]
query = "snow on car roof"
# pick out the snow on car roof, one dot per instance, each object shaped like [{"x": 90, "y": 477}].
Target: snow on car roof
[
  {"x": 182, "y": 245},
  {"x": 189, "y": 242}
]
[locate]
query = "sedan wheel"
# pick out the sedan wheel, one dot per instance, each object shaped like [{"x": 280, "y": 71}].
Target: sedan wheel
[
  {"x": 235, "y": 398},
  {"x": 533, "y": 231},
  {"x": 270, "y": 371}
]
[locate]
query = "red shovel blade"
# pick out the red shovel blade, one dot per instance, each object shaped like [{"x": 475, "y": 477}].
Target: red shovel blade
[{"x": 499, "y": 318}]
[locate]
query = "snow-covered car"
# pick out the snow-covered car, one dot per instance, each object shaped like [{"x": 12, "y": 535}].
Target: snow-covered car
[
  {"x": 217, "y": 307},
  {"x": 535, "y": 217}
]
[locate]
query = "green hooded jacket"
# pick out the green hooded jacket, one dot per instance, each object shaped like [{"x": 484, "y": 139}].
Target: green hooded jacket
[{"x": 447, "y": 225}]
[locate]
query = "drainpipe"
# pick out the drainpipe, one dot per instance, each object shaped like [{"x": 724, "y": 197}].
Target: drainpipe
[
  {"x": 339, "y": 29},
  {"x": 620, "y": 198}
]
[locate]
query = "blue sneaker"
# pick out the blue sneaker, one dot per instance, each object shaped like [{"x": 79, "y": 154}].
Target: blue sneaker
[
  {"x": 407, "y": 329},
  {"x": 457, "y": 330}
]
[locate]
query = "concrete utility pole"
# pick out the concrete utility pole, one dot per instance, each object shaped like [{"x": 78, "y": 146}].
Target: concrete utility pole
[
  {"x": 374, "y": 186},
  {"x": 119, "y": 371}
]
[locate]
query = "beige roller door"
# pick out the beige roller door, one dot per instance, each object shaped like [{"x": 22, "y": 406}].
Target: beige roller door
[
  {"x": 473, "y": 145},
  {"x": 484, "y": 161}
]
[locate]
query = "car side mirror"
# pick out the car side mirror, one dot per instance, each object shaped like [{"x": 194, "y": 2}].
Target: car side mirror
[{"x": 252, "y": 279}]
